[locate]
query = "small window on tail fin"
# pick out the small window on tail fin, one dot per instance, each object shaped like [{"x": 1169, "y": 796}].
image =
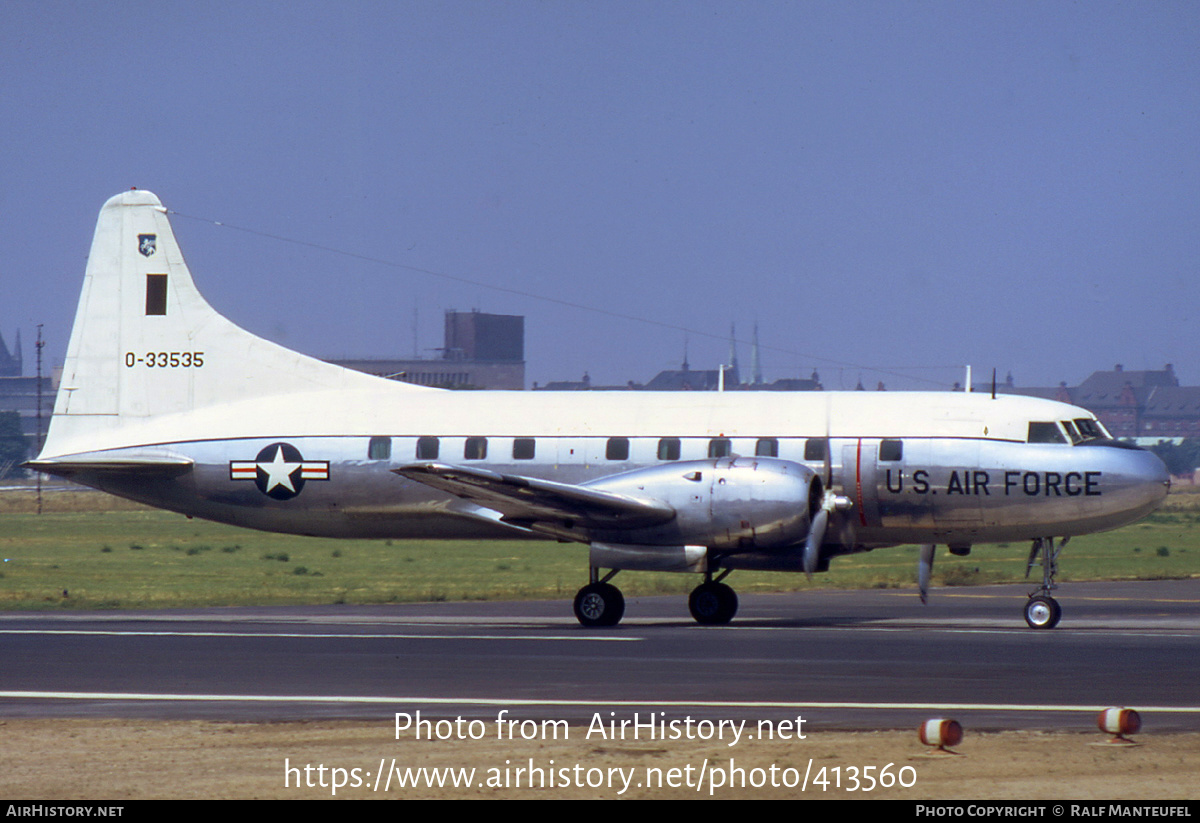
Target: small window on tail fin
[{"x": 156, "y": 294}]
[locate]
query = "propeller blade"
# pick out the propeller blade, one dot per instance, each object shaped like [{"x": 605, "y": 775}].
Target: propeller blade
[
  {"x": 828, "y": 478},
  {"x": 925, "y": 569},
  {"x": 812, "y": 546}
]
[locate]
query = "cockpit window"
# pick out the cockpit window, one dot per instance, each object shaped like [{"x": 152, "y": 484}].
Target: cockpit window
[
  {"x": 1071, "y": 432},
  {"x": 1048, "y": 432},
  {"x": 1090, "y": 429}
]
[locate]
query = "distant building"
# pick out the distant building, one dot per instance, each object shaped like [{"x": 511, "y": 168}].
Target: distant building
[
  {"x": 488, "y": 338},
  {"x": 1147, "y": 405},
  {"x": 1119, "y": 397},
  {"x": 19, "y": 393},
  {"x": 585, "y": 384},
  {"x": 480, "y": 351},
  {"x": 10, "y": 363},
  {"x": 689, "y": 379}
]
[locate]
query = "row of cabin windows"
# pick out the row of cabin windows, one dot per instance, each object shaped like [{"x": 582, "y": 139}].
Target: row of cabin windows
[
  {"x": 617, "y": 448},
  {"x": 669, "y": 448}
]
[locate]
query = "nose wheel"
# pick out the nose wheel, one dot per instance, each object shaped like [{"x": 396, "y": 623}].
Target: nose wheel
[{"x": 1042, "y": 611}]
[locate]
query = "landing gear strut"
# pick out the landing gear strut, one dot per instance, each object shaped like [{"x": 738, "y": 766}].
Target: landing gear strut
[
  {"x": 713, "y": 603},
  {"x": 599, "y": 603},
  {"x": 1042, "y": 611}
]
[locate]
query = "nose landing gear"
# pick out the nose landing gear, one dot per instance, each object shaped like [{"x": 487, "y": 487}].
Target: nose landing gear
[{"x": 1042, "y": 611}]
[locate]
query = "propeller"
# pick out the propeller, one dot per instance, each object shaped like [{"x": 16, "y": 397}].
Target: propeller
[
  {"x": 816, "y": 536},
  {"x": 925, "y": 569},
  {"x": 820, "y": 521},
  {"x": 830, "y": 503}
]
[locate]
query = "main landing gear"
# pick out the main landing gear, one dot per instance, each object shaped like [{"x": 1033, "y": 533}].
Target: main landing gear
[
  {"x": 600, "y": 603},
  {"x": 713, "y": 603},
  {"x": 1042, "y": 611}
]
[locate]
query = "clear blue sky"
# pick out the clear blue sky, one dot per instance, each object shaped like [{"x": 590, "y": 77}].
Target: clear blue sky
[{"x": 905, "y": 186}]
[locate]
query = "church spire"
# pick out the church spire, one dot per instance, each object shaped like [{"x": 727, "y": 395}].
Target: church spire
[
  {"x": 755, "y": 362},
  {"x": 10, "y": 365}
]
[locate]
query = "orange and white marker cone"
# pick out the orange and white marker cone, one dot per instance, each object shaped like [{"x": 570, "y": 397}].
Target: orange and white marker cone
[
  {"x": 940, "y": 733},
  {"x": 1118, "y": 723}
]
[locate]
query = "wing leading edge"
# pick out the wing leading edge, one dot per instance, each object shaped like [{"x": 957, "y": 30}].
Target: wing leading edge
[{"x": 529, "y": 501}]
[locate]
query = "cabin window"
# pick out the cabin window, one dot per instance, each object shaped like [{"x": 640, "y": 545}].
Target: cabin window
[
  {"x": 720, "y": 447},
  {"x": 668, "y": 448},
  {"x": 427, "y": 448},
  {"x": 891, "y": 450},
  {"x": 617, "y": 448},
  {"x": 1045, "y": 433},
  {"x": 475, "y": 448},
  {"x": 814, "y": 449},
  {"x": 523, "y": 448},
  {"x": 766, "y": 447},
  {"x": 380, "y": 448}
]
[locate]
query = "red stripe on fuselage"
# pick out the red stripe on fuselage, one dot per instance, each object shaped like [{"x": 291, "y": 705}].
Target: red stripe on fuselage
[{"x": 862, "y": 512}]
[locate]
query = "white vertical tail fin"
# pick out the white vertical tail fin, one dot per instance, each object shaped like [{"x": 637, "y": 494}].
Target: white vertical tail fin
[{"x": 146, "y": 343}]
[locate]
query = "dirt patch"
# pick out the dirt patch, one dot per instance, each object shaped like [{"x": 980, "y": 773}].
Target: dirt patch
[{"x": 131, "y": 759}]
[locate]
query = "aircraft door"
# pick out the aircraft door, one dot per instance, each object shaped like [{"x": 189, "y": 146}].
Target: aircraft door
[{"x": 860, "y": 480}]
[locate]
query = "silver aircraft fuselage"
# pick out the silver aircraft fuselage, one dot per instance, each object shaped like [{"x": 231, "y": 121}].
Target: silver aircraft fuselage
[{"x": 938, "y": 488}]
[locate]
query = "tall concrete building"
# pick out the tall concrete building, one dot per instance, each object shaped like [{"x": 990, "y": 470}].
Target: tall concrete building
[{"x": 479, "y": 351}]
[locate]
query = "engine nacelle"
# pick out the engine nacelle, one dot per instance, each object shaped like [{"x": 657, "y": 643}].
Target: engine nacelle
[{"x": 737, "y": 503}]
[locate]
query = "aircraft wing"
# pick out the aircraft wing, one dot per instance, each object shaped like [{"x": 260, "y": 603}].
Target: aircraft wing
[{"x": 527, "y": 501}]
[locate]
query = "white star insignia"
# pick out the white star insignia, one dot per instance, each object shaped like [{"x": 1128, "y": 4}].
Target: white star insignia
[{"x": 279, "y": 471}]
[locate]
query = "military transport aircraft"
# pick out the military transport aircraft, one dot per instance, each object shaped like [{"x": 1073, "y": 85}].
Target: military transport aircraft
[{"x": 166, "y": 402}]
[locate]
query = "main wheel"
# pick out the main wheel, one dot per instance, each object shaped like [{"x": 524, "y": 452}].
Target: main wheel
[
  {"x": 1042, "y": 612},
  {"x": 713, "y": 604},
  {"x": 599, "y": 604}
]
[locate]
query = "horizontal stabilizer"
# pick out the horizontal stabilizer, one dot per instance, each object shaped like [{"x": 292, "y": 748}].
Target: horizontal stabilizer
[
  {"x": 150, "y": 466},
  {"x": 529, "y": 500}
]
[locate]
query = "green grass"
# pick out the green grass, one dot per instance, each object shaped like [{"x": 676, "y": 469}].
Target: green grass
[{"x": 150, "y": 559}]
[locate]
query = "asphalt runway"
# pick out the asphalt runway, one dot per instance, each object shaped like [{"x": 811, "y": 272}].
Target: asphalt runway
[{"x": 838, "y": 659}]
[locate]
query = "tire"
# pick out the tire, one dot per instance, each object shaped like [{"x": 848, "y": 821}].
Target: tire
[
  {"x": 599, "y": 604},
  {"x": 1042, "y": 612},
  {"x": 713, "y": 604}
]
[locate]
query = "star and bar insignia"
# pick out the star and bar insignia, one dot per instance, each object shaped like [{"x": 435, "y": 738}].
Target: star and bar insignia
[{"x": 279, "y": 471}]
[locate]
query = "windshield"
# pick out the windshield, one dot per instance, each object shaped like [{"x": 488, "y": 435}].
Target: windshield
[
  {"x": 1045, "y": 432},
  {"x": 1090, "y": 429}
]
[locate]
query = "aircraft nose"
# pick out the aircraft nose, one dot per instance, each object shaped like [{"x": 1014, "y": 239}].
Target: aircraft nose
[{"x": 1148, "y": 480}]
